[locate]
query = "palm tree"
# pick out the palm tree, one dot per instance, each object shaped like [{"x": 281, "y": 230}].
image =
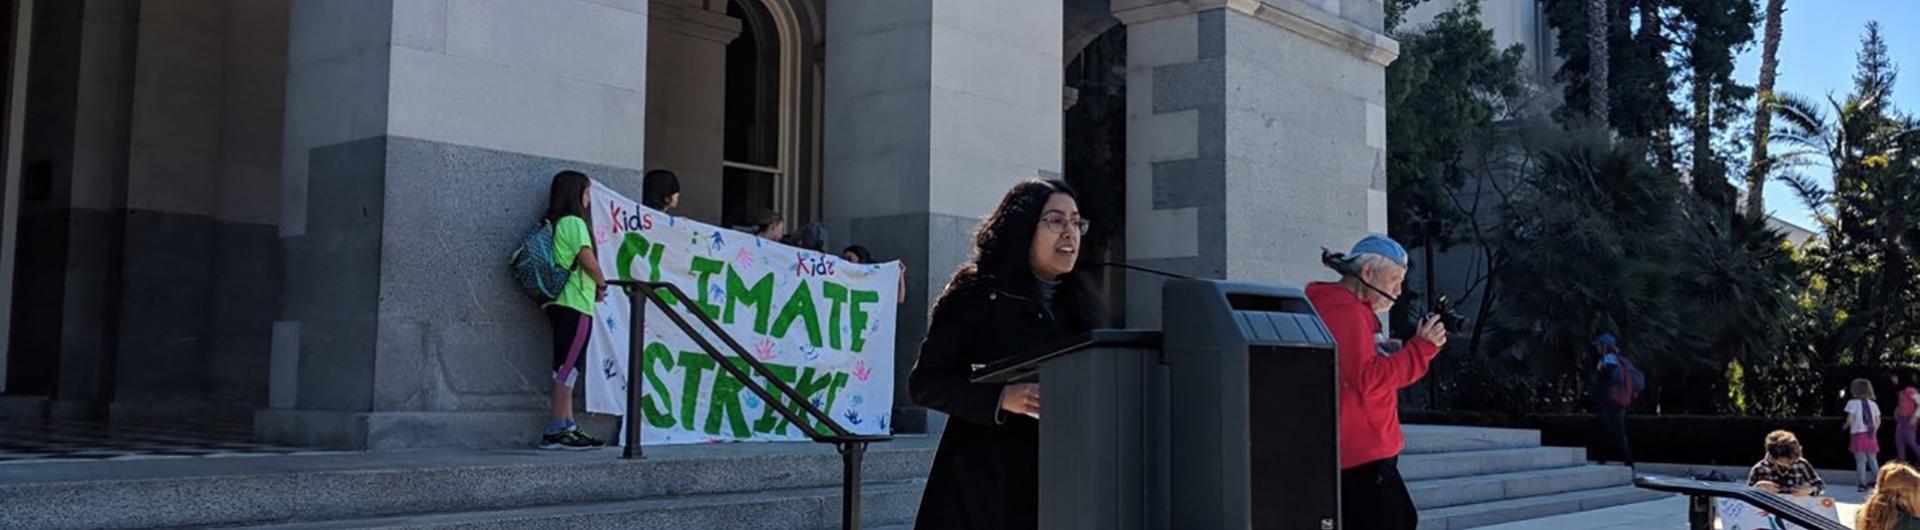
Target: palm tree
[
  {"x": 1762, "y": 118},
  {"x": 1868, "y": 216},
  {"x": 1597, "y": 31}
]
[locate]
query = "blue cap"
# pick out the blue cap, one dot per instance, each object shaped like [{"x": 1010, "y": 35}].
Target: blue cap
[
  {"x": 1605, "y": 339},
  {"x": 1382, "y": 246}
]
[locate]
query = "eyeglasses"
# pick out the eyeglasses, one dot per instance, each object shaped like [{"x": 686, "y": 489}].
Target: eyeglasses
[{"x": 1059, "y": 224}]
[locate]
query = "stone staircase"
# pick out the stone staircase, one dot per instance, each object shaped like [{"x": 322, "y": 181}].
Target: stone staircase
[
  {"x": 1461, "y": 478},
  {"x": 1473, "y": 477},
  {"x": 746, "y": 486}
]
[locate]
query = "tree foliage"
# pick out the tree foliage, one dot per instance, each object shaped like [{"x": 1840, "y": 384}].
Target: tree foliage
[
  {"x": 1447, "y": 87},
  {"x": 1712, "y": 33},
  {"x": 1862, "y": 265}
]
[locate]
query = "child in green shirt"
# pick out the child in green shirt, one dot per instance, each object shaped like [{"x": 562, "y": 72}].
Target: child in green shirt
[{"x": 571, "y": 313}]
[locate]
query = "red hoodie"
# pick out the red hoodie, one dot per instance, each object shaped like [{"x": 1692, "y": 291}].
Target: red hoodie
[{"x": 1369, "y": 382}]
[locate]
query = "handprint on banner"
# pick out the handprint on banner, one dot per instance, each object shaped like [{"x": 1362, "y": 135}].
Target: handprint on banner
[
  {"x": 743, "y": 259},
  {"x": 860, "y": 371},
  {"x": 764, "y": 350},
  {"x": 853, "y": 416}
]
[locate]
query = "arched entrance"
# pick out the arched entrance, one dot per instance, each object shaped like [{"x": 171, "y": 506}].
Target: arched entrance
[{"x": 733, "y": 107}]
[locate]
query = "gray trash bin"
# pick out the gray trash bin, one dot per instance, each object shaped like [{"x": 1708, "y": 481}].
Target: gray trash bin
[{"x": 1255, "y": 425}]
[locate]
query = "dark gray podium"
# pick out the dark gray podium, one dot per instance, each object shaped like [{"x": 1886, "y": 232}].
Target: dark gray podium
[
  {"x": 1251, "y": 444},
  {"x": 1103, "y": 449}
]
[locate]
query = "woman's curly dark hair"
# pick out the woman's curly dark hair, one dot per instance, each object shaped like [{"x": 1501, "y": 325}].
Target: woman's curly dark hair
[{"x": 1002, "y": 243}]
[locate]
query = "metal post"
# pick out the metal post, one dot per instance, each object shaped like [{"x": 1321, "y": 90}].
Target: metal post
[
  {"x": 1700, "y": 512},
  {"x": 636, "y": 344},
  {"x": 851, "y": 453}
]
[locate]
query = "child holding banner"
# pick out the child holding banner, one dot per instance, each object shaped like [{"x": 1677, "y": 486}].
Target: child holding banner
[{"x": 571, "y": 314}]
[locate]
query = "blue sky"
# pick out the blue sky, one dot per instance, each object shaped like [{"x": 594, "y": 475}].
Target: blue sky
[{"x": 1817, "y": 45}]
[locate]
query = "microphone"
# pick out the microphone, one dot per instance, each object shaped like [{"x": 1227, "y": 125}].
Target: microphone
[
  {"x": 1138, "y": 268},
  {"x": 1339, "y": 263}
]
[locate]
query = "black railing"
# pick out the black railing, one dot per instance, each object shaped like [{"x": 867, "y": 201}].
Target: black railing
[
  {"x": 852, "y": 447},
  {"x": 1700, "y": 497}
]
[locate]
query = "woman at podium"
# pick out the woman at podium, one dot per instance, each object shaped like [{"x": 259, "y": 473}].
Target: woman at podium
[{"x": 1016, "y": 294}]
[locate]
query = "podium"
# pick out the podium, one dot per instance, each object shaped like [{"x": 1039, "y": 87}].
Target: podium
[
  {"x": 1103, "y": 438},
  {"x": 1252, "y": 443}
]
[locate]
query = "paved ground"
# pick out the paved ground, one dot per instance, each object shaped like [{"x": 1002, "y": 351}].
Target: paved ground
[
  {"x": 1665, "y": 514},
  {"x": 78, "y": 441}
]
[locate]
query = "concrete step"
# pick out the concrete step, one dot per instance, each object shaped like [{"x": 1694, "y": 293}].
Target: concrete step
[
  {"x": 1503, "y": 511},
  {"x": 1442, "y": 493},
  {"x": 795, "y": 509},
  {"x": 205, "y": 492},
  {"x": 1426, "y": 439},
  {"x": 1469, "y": 463}
]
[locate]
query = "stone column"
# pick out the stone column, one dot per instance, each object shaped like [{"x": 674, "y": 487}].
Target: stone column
[
  {"x": 687, "y": 62},
  {"x": 421, "y": 137},
  {"x": 1256, "y": 135},
  {"x": 195, "y": 308},
  {"x": 74, "y": 145},
  {"x": 933, "y": 110}
]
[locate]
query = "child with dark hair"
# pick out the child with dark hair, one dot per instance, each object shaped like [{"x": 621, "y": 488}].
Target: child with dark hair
[
  {"x": 860, "y": 254},
  {"x": 1785, "y": 468},
  {"x": 571, "y": 314},
  {"x": 660, "y": 190},
  {"x": 810, "y": 236}
]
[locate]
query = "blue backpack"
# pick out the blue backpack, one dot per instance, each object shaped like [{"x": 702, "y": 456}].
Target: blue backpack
[{"x": 533, "y": 266}]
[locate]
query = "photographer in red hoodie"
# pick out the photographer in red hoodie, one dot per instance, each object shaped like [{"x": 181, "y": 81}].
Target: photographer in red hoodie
[{"x": 1372, "y": 494}]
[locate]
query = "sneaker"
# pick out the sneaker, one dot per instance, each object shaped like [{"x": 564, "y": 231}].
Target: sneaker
[
  {"x": 586, "y": 438},
  {"x": 565, "y": 441}
]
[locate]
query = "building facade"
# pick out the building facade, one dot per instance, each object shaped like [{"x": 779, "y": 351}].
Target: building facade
[{"x": 295, "y": 214}]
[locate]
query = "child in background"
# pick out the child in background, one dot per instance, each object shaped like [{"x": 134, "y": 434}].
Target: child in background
[
  {"x": 860, "y": 254},
  {"x": 1785, "y": 470},
  {"x": 1905, "y": 418},
  {"x": 1896, "y": 505},
  {"x": 1863, "y": 425}
]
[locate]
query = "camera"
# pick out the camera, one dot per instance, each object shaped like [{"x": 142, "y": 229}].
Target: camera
[{"x": 1449, "y": 315}]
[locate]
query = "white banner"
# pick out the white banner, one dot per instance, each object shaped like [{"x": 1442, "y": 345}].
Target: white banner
[
  {"x": 1738, "y": 515},
  {"x": 821, "y": 324}
]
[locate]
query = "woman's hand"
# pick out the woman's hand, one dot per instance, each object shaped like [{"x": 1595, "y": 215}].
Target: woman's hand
[
  {"x": 599, "y": 291},
  {"x": 1023, "y": 398},
  {"x": 1767, "y": 486}
]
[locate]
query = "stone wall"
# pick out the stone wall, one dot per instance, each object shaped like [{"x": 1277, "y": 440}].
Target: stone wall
[
  {"x": 422, "y": 138},
  {"x": 933, "y": 110},
  {"x": 1256, "y": 136}
]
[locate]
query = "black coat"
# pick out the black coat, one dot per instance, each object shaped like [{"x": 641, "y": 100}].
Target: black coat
[{"x": 986, "y": 472}]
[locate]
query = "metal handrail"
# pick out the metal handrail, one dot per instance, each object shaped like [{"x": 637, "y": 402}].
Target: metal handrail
[
  {"x": 852, "y": 447},
  {"x": 1700, "y": 506}
]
